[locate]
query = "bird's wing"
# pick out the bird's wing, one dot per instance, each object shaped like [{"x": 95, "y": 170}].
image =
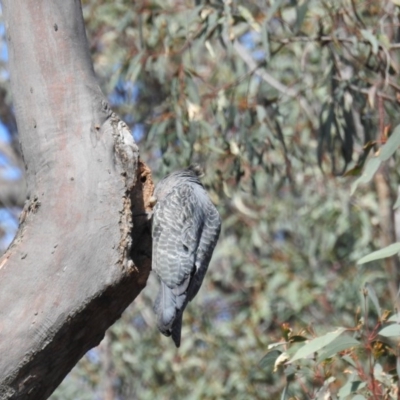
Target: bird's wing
[
  {"x": 176, "y": 231},
  {"x": 208, "y": 240}
]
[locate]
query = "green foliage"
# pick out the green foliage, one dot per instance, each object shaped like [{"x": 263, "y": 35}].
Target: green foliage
[
  {"x": 386, "y": 151},
  {"x": 234, "y": 82},
  {"x": 360, "y": 361},
  {"x": 388, "y": 251}
]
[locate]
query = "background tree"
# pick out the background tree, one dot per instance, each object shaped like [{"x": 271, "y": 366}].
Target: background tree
[{"x": 283, "y": 102}]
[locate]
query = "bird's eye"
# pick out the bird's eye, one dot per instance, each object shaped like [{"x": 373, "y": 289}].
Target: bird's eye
[{"x": 185, "y": 248}]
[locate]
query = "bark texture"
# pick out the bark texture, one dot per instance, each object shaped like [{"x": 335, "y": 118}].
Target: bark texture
[{"x": 69, "y": 274}]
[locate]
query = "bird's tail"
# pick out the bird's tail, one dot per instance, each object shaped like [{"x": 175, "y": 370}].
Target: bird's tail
[
  {"x": 168, "y": 309},
  {"x": 165, "y": 309},
  {"x": 176, "y": 329}
]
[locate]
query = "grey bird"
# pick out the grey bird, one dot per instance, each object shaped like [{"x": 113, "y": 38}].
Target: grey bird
[{"x": 185, "y": 230}]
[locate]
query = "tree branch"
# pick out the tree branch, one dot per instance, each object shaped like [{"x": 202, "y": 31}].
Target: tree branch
[{"x": 69, "y": 274}]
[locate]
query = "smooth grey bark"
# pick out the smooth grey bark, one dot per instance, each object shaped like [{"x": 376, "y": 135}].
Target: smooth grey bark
[{"x": 69, "y": 274}]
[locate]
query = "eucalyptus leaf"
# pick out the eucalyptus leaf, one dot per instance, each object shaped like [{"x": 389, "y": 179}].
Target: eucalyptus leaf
[
  {"x": 374, "y": 298},
  {"x": 341, "y": 343},
  {"x": 371, "y": 167},
  {"x": 391, "y": 146},
  {"x": 372, "y": 39},
  {"x": 316, "y": 345},
  {"x": 350, "y": 387},
  {"x": 301, "y": 11},
  {"x": 392, "y": 330},
  {"x": 273, "y": 9},
  {"x": 349, "y": 360},
  {"x": 268, "y": 361},
  {"x": 388, "y": 251},
  {"x": 394, "y": 318}
]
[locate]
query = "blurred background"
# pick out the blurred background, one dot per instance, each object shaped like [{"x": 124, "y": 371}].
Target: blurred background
[{"x": 282, "y": 102}]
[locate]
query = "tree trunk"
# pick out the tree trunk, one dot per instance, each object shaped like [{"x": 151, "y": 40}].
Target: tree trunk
[{"x": 69, "y": 274}]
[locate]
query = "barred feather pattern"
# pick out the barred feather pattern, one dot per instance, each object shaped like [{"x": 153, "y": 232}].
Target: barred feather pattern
[{"x": 185, "y": 230}]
